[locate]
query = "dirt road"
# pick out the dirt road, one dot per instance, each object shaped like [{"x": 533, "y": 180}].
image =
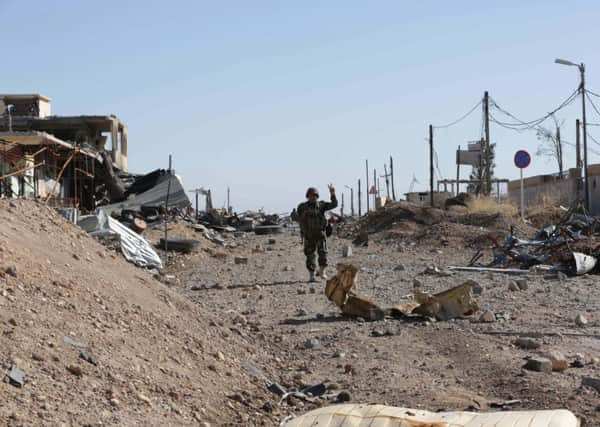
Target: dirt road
[{"x": 457, "y": 364}]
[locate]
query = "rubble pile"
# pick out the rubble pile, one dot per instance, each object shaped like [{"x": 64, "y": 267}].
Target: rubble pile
[{"x": 89, "y": 339}]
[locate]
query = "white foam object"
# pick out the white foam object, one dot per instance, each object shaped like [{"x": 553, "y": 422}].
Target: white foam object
[{"x": 354, "y": 415}]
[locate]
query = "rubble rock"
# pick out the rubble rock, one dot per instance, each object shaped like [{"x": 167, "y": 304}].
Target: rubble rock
[
  {"x": 581, "y": 320},
  {"x": 539, "y": 364},
  {"x": 417, "y": 283},
  {"x": 400, "y": 267},
  {"x": 526, "y": 343},
  {"x": 347, "y": 251},
  {"x": 241, "y": 260},
  {"x": 559, "y": 361},
  {"x": 11, "y": 270},
  {"x": 513, "y": 287},
  {"x": 312, "y": 344},
  {"x": 522, "y": 284},
  {"x": 487, "y": 316},
  {"x": 343, "y": 396}
]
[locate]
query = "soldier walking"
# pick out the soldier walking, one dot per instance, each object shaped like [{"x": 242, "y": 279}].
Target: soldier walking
[{"x": 313, "y": 224}]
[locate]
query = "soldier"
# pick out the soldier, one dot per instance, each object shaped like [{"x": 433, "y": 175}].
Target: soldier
[{"x": 311, "y": 217}]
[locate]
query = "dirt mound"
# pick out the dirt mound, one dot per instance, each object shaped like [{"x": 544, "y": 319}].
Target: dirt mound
[
  {"x": 404, "y": 220},
  {"x": 159, "y": 360}
]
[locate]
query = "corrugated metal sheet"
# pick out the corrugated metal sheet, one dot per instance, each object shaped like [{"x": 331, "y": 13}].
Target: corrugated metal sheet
[{"x": 387, "y": 416}]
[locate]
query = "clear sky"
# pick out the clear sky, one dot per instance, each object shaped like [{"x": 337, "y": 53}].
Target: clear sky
[{"x": 269, "y": 97}]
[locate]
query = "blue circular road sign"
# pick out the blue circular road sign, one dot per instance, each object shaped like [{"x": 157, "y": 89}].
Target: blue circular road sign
[{"x": 522, "y": 159}]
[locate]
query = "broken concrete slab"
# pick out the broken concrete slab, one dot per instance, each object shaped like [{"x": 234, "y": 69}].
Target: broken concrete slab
[
  {"x": 538, "y": 364},
  {"x": 16, "y": 377}
]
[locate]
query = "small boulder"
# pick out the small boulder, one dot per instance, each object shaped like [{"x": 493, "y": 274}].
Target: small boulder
[
  {"x": 559, "y": 361},
  {"x": 539, "y": 364},
  {"x": 581, "y": 320},
  {"x": 487, "y": 317}
]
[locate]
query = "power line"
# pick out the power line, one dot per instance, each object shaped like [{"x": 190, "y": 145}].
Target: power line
[
  {"x": 533, "y": 123},
  {"x": 592, "y": 93},
  {"x": 592, "y": 102},
  {"x": 460, "y": 119}
]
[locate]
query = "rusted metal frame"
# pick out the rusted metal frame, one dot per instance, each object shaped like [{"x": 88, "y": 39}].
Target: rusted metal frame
[
  {"x": 60, "y": 174},
  {"x": 21, "y": 171}
]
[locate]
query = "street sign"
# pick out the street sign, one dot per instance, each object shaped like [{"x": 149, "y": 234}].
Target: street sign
[
  {"x": 522, "y": 159},
  {"x": 474, "y": 146},
  {"x": 472, "y": 158}
]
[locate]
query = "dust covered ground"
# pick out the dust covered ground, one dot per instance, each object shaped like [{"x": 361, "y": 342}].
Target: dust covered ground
[
  {"x": 171, "y": 351},
  {"x": 454, "y": 365}
]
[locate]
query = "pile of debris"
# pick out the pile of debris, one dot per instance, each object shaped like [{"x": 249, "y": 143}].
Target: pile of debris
[
  {"x": 249, "y": 221},
  {"x": 569, "y": 247}
]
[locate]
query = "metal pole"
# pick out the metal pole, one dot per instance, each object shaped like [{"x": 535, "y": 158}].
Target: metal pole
[
  {"x": 342, "y": 206},
  {"x": 488, "y": 153},
  {"x": 392, "y": 176},
  {"x": 457, "y": 169},
  {"x": 375, "y": 192},
  {"x": 359, "y": 201},
  {"x": 196, "y": 204},
  {"x": 228, "y": 205},
  {"x": 585, "y": 152},
  {"x": 577, "y": 144},
  {"x": 167, "y": 208},
  {"x": 522, "y": 198},
  {"x": 431, "y": 165},
  {"x": 387, "y": 181},
  {"x": 367, "y": 173},
  {"x": 351, "y": 201}
]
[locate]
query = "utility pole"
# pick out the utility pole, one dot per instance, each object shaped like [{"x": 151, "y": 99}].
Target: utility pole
[
  {"x": 392, "y": 176},
  {"x": 431, "y": 165},
  {"x": 375, "y": 192},
  {"x": 359, "y": 202},
  {"x": 577, "y": 146},
  {"x": 457, "y": 170},
  {"x": 559, "y": 153},
  {"x": 351, "y": 201},
  {"x": 486, "y": 111},
  {"x": 228, "y": 205},
  {"x": 342, "y": 206},
  {"x": 367, "y": 169},
  {"x": 586, "y": 183},
  {"x": 387, "y": 181}
]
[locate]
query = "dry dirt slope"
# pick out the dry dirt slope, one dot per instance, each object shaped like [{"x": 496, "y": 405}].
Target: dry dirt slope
[{"x": 160, "y": 360}]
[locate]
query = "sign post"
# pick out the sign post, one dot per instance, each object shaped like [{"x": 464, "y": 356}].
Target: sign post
[{"x": 522, "y": 160}]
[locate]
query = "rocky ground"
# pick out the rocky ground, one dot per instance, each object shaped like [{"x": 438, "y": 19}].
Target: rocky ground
[
  {"x": 454, "y": 365},
  {"x": 176, "y": 351}
]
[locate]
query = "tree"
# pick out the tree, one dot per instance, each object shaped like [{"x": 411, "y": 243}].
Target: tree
[
  {"x": 482, "y": 185},
  {"x": 550, "y": 144}
]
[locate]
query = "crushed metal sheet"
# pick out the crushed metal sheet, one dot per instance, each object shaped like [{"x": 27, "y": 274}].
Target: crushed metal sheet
[
  {"x": 354, "y": 415},
  {"x": 450, "y": 304},
  {"x": 341, "y": 290}
]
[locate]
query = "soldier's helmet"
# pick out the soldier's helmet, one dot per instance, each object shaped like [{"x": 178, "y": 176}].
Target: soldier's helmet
[{"x": 312, "y": 190}]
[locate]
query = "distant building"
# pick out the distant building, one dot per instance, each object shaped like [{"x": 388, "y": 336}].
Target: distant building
[
  {"x": 68, "y": 160},
  {"x": 422, "y": 198}
]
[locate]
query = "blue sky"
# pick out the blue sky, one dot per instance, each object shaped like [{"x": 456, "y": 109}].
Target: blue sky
[{"x": 269, "y": 97}]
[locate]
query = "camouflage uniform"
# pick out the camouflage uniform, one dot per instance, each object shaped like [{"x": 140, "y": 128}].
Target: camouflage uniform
[{"x": 311, "y": 217}]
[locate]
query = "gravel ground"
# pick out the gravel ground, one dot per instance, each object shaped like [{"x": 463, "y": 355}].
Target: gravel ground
[{"x": 455, "y": 365}]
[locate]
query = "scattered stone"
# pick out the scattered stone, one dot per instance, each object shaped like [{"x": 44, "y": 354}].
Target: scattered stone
[
  {"x": 267, "y": 407},
  {"x": 75, "y": 370},
  {"x": 561, "y": 276},
  {"x": 220, "y": 356},
  {"x": 240, "y": 260},
  {"x": 114, "y": 402},
  {"x": 312, "y": 290},
  {"x": 581, "y": 320},
  {"x": 272, "y": 241},
  {"x": 487, "y": 316},
  {"x": 12, "y": 321},
  {"x": 591, "y": 382},
  {"x": 339, "y": 354},
  {"x": 377, "y": 333},
  {"x": 400, "y": 267},
  {"x": 522, "y": 284},
  {"x": 312, "y": 343},
  {"x": 258, "y": 249},
  {"x": 539, "y": 364},
  {"x": 559, "y": 361},
  {"x": 88, "y": 358},
  {"x": 144, "y": 399},
  {"x": 301, "y": 291},
  {"x": 343, "y": 396},
  {"x": 417, "y": 283},
  {"x": 15, "y": 377},
  {"x": 526, "y": 343},
  {"x": 38, "y": 357},
  {"x": 301, "y": 312},
  {"x": 347, "y": 251},
  {"x": 288, "y": 268},
  {"x": 240, "y": 320},
  {"x": 513, "y": 287},
  {"x": 11, "y": 270}
]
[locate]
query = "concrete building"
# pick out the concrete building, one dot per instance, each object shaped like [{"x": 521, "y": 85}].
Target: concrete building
[
  {"x": 422, "y": 198},
  {"x": 67, "y": 160}
]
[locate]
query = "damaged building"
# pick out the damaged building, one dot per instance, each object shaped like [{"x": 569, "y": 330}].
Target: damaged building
[{"x": 68, "y": 161}]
